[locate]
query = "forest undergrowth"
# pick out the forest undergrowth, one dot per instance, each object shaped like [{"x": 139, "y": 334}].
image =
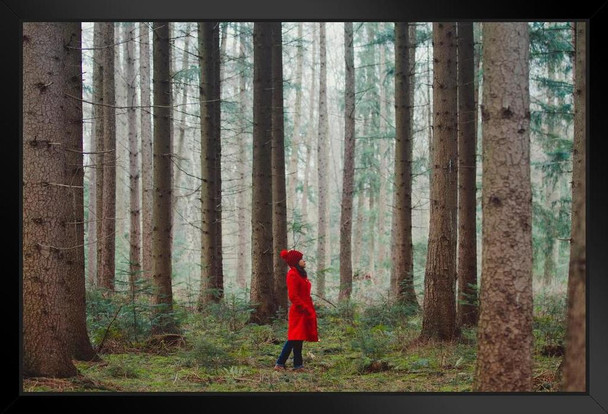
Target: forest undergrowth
[{"x": 372, "y": 349}]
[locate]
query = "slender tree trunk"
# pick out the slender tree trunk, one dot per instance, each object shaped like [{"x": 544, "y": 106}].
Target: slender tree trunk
[
  {"x": 97, "y": 143},
  {"x": 467, "y": 207},
  {"x": 292, "y": 171},
  {"x": 107, "y": 269},
  {"x": 53, "y": 228},
  {"x": 311, "y": 130},
  {"x": 575, "y": 358},
  {"x": 402, "y": 278},
  {"x": 348, "y": 177},
  {"x": 162, "y": 217},
  {"x": 217, "y": 167},
  {"x": 504, "y": 361},
  {"x": 135, "y": 226},
  {"x": 262, "y": 286},
  {"x": 439, "y": 317},
  {"x": 211, "y": 280},
  {"x": 357, "y": 230},
  {"x": 279, "y": 207},
  {"x": 244, "y": 228},
  {"x": 182, "y": 111},
  {"x": 384, "y": 168},
  {"x": 322, "y": 166},
  {"x": 147, "y": 266}
]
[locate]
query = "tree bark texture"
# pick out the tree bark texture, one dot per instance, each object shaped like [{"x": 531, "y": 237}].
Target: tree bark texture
[
  {"x": 574, "y": 375},
  {"x": 504, "y": 361},
  {"x": 279, "y": 206},
  {"x": 262, "y": 283},
  {"x": 108, "y": 219},
  {"x": 134, "y": 165},
  {"x": 467, "y": 207},
  {"x": 322, "y": 166},
  {"x": 53, "y": 232},
  {"x": 146, "y": 152},
  {"x": 244, "y": 232},
  {"x": 97, "y": 144},
  {"x": 348, "y": 177},
  {"x": 402, "y": 278},
  {"x": 211, "y": 268},
  {"x": 439, "y": 319},
  {"x": 162, "y": 217}
]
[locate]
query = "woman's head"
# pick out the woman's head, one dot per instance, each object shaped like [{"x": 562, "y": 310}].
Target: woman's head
[{"x": 292, "y": 257}]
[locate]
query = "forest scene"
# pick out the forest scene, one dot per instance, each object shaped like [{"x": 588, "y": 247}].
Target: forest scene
[{"x": 432, "y": 175}]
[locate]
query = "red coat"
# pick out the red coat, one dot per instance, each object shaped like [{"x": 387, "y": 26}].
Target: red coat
[{"x": 302, "y": 325}]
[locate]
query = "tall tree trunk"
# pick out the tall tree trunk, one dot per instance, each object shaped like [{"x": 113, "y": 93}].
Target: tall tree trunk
[
  {"x": 311, "y": 130},
  {"x": 96, "y": 229},
  {"x": 147, "y": 266},
  {"x": 575, "y": 358},
  {"x": 53, "y": 232},
  {"x": 402, "y": 278},
  {"x": 348, "y": 177},
  {"x": 244, "y": 227},
  {"x": 211, "y": 279},
  {"x": 439, "y": 317},
  {"x": 162, "y": 217},
  {"x": 182, "y": 109},
  {"x": 279, "y": 207},
  {"x": 292, "y": 171},
  {"x": 135, "y": 226},
  {"x": 262, "y": 286},
  {"x": 322, "y": 166},
  {"x": 218, "y": 269},
  {"x": 383, "y": 196},
  {"x": 467, "y": 234},
  {"x": 108, "y": 234},
  {"x": 504, "y": 361}
]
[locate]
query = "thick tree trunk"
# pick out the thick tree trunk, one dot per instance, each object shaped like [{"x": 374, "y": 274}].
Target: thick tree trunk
[
  {"x": 279, "y": 207},
  {"x": 211, "y": 273},
  {"x": 53, "y": 232},
  {"x": 439, "y": 318},
  {"x": 575, "y": 359},
  {"x": 322, "y": 166},
  {"x": 108, "y": 234},
  {"x": 162, "y": 217},
  {"x": 348, "y": 177},
  {"x": 504, "y": 361},
  {"x": 402, "y": 278},
  {"x": 262, "y": 286},
  {"x": 467, "y": 207},
  {"x": 147, "y": 202}
]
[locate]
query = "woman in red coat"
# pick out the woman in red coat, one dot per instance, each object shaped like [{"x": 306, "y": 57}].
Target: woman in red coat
[{"x": 302, "y": 319}]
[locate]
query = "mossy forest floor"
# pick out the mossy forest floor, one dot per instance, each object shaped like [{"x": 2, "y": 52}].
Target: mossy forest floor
[{"x": 360, "y": 351}]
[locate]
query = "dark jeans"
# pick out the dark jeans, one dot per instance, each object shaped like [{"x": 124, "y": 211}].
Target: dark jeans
[{"x": 297, "y": 353}]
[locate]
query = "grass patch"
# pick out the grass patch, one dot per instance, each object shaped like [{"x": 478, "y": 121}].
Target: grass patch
[{"x": 361, "y": 350}]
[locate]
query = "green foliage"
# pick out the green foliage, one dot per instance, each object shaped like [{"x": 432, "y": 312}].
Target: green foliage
[
  {"x": 209, "y": 353},
  {"x": 550, "y": 313}
]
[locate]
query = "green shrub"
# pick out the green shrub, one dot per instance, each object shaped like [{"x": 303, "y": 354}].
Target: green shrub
[{"x": 208, "y": 354}]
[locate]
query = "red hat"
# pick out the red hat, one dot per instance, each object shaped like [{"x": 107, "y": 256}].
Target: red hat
[{"x": 291, "y": 257}]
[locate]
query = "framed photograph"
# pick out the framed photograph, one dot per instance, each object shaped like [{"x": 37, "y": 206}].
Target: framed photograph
[{"x": 17, "y": 13}]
